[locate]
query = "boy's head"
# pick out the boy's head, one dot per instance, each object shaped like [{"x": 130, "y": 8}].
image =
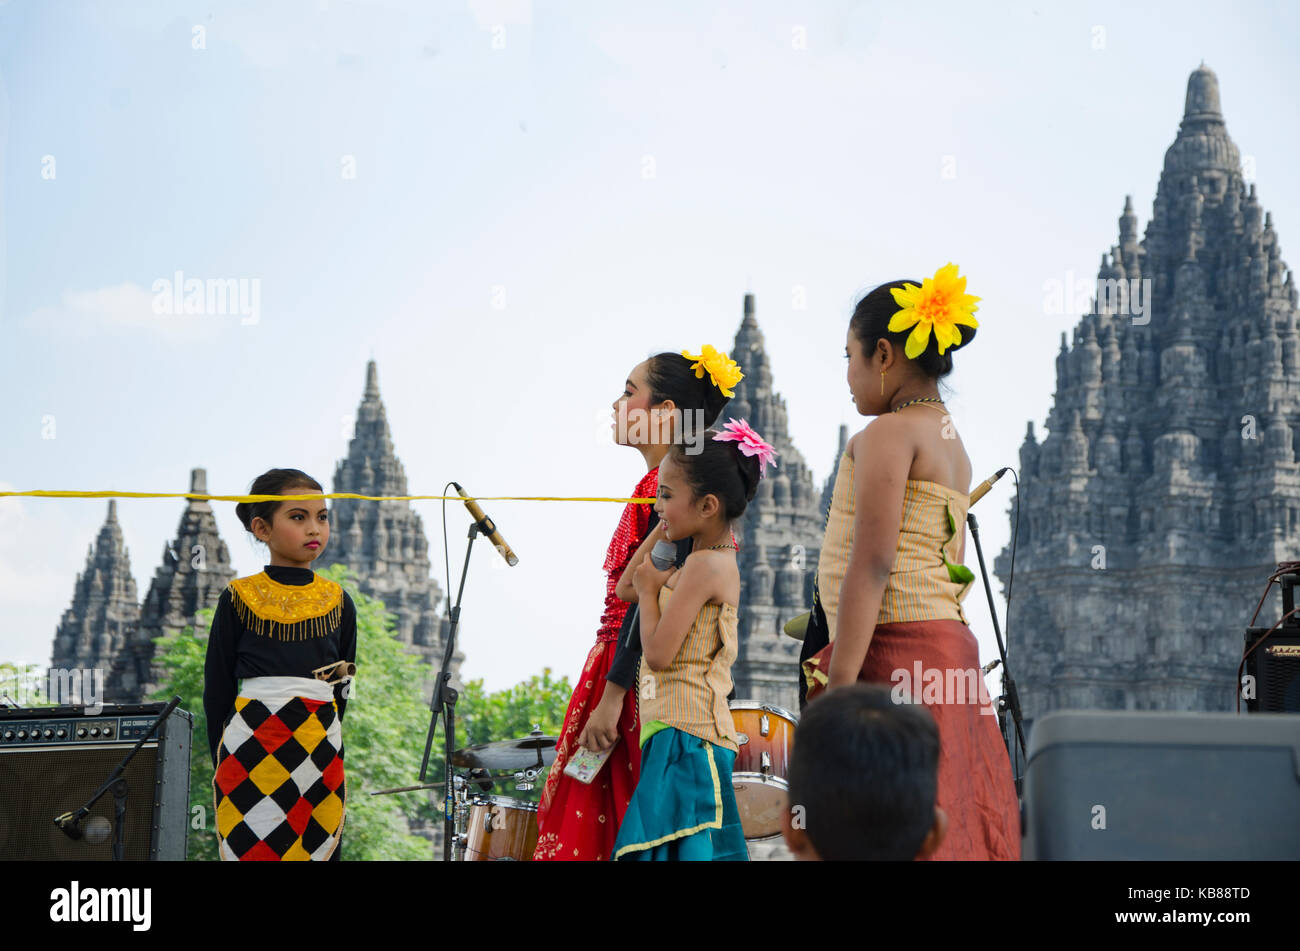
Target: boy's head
[{"x": 864, "y": 774}]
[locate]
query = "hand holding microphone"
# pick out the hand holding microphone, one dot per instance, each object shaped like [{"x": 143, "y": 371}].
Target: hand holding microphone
[{"x": 664, "y": 554}]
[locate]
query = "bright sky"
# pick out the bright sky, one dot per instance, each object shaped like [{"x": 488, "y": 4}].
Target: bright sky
[{"x": 509, "y": 205}]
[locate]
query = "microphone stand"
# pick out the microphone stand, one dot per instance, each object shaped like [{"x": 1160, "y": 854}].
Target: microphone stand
[
  {"x": 445, "y": 696},
  {"x": 70, "y": 822},
  {"x": 1010, "y": 699}
]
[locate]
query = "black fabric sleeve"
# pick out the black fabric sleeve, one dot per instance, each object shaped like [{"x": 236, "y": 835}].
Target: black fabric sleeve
[
  {"x": 627, "y": 655},
  {"x": 219, "y": 683},
  {"x": 347, "y": 646},
  {"x": 816, "y": 636}
]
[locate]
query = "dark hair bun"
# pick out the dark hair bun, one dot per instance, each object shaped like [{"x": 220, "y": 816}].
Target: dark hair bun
[
  {"x": 720, "y": 469},
  {"x": 671, "y": 378},
  {"x": 870, "y": 322},
  {"x": 751, "y": 471},
  {"x": 273, "y": 482}
]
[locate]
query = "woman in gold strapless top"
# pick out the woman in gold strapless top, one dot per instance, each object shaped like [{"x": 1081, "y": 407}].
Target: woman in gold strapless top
[{"x": 890, "y": 579}]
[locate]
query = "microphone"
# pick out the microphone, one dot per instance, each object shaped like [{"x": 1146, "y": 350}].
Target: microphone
[
  {"x": 98, "y": 830},
  {"x": 987, "y": 484},
  {"x": 488, "y": 527},
  {"x": 663, "y": 555}
]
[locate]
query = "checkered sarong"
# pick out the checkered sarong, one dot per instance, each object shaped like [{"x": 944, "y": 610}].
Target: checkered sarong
[{"x": 278, "y": 786}]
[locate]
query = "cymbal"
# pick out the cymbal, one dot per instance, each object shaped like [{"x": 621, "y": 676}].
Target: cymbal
[
  {"x": 502, "y": 780},
  {"x": 508, "y": 754}
]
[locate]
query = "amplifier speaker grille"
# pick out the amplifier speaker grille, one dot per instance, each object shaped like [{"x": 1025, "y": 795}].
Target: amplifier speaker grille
[{"x": 54, "y": 781}]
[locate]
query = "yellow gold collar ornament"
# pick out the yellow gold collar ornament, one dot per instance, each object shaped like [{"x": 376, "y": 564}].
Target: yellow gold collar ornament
[
  {"x": 287, "y": 612},
  {"x": 724, "y": 371},
  {"x": 940, "y": 303}
]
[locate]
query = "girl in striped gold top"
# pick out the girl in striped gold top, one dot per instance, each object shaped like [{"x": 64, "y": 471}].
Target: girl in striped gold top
[
  {"x": 887, "y": 600},
  {"x": 684, "y": 807}
]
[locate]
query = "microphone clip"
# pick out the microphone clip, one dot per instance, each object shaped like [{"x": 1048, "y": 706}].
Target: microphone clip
[{"x": 70, "y": 825}]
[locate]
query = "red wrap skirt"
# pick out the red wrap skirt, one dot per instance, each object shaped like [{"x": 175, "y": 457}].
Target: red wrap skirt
[
  {"x": 975, "y": 783},
  {"x": 578, "y": 822}
]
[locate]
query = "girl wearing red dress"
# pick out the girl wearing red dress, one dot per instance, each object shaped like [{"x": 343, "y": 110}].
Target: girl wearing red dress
[{"x": 667, "y": 398}]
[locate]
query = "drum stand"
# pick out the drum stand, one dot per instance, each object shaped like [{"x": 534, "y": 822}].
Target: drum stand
[
  {"x": 444, "y": 701},
  {"x": 463, "y": 800},
  {"x": 1010, "y": 699},
  {"x": 461, "y": 818}
]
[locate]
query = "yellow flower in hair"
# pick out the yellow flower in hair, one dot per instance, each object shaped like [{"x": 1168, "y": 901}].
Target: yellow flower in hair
[
  {"x": 724, "y": 371},
  {"x": 940, "y": 303}
]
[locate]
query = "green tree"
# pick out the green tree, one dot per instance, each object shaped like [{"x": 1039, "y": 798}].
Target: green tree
[
  {"x": 182, "y": 656},
  {"x": 23, "y": 684}
]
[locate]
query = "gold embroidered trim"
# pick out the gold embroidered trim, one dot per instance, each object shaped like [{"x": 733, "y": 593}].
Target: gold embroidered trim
[{"x": 287, "y": 612}]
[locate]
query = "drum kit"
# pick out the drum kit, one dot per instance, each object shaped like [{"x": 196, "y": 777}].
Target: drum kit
[
  {"x": 492, "y": 828},
  {"x": 765, "y": 734}
]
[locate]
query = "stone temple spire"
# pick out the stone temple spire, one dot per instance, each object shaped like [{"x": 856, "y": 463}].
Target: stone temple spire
[
  {"x": 105, "y": 608},
  {"x": 828, "y": 487},
  {"x": 1156, "y": 514},
  {"x": 780, "y": 533},
  {"x": 384, "y": 543},
  {"x": 371, "y": 466},
  {"x": 195, "y": 569},
  {"x": 755, "y": 399}
]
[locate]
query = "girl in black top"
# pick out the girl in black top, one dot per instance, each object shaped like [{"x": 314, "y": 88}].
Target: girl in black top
[{"x": 276, "y": 739}]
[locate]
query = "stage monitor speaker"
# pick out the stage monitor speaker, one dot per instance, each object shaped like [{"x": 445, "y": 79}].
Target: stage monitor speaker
[
  {"x": 53, "y": 759},
  {"x": 1157, "y": 786}
]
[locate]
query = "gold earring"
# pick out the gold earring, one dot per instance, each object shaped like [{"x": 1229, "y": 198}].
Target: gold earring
[{"x": 882, "y": 382}]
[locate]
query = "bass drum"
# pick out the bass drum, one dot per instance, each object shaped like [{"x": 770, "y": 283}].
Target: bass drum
[{"x": 761, "y": 774}]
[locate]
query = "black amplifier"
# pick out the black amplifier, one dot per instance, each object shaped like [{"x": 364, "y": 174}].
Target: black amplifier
[
  {"x": 53, "y": 759},
  {"x": 1275, "y": 667}
]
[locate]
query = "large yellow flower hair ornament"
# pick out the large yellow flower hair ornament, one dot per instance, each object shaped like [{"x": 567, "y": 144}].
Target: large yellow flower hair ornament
[
  {"x": 940, "y": 303},
  {"x": 724, "y": 371}
]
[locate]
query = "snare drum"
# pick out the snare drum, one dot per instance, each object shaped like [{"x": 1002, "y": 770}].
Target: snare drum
[
  {"x": 501, "y": 830},
  {"x": 760, "y": 775}
]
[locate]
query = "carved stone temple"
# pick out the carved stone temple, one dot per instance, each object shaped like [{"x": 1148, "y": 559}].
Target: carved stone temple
[
  {"x": 1167, "y": 488},
  {"x": 383, "y": 543},
  {"x": 194, "y": 570},
  {"x": 105, "y": 609},
  {"x": 780, "y": 534}
]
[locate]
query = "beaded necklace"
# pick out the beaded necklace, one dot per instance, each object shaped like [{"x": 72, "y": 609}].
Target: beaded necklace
[{"x": 920, "y": 399}]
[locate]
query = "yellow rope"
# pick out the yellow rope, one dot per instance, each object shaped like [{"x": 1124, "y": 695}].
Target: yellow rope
[{"x": 69, "y": 494}]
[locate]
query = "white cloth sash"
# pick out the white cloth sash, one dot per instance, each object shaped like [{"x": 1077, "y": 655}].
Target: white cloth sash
[{"x": 275, "y": 692}]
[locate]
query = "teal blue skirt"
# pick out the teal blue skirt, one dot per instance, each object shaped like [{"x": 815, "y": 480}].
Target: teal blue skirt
[{"x": 684, "y": 807}]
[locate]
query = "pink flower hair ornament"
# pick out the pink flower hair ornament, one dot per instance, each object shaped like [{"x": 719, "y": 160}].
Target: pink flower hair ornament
[{"x": 748, "y": 442}]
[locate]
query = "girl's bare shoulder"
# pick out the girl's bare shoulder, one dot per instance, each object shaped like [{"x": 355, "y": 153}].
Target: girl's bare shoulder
[
  {"x": 710, "y": 560},
  {"x": 884, "y": 429},
  {"x": 718, "y": 571}
]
